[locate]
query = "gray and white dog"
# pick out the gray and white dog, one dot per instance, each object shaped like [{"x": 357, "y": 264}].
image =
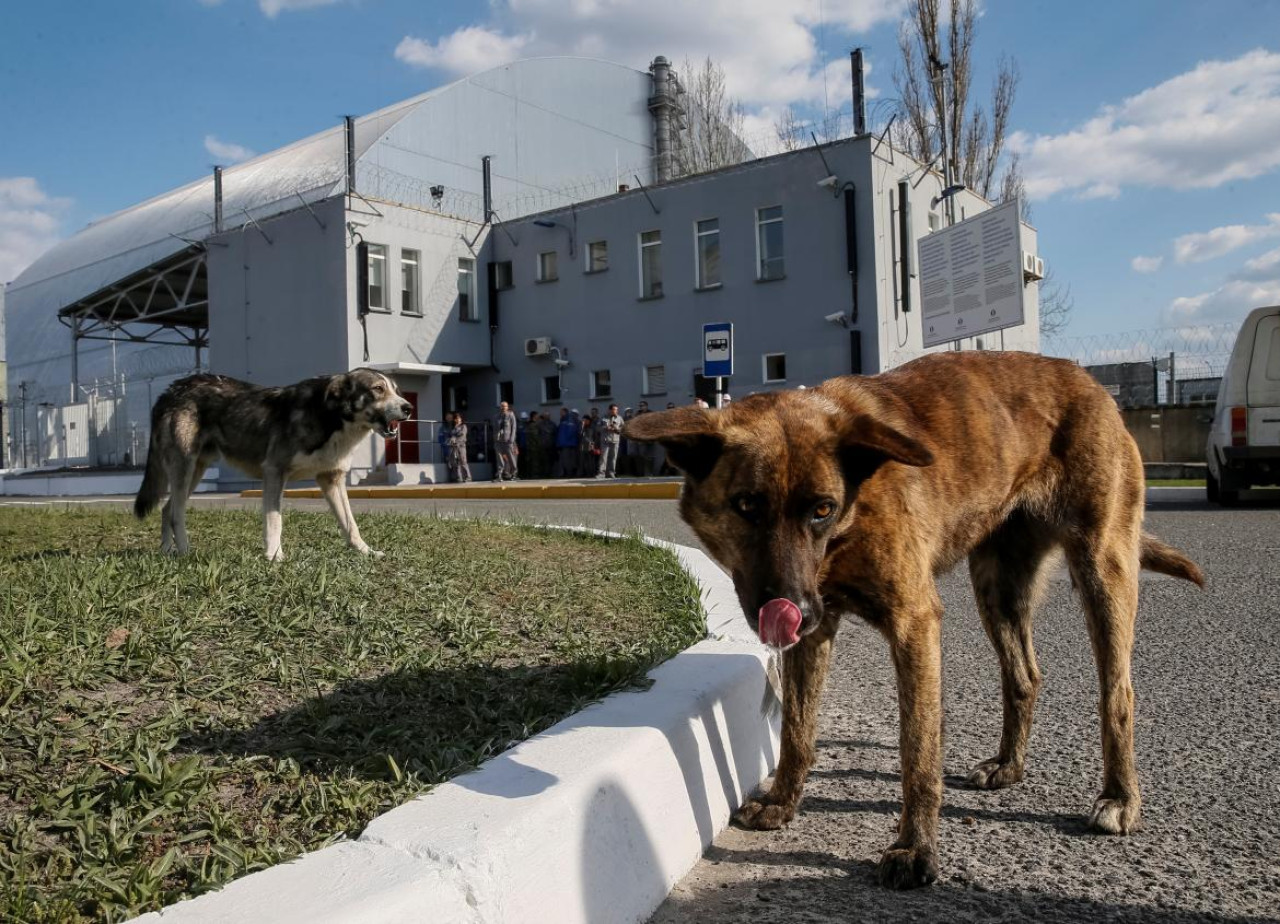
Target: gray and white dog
[{"x": 307, "y": 430}]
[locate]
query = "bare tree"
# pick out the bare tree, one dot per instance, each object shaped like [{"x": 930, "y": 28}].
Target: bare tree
[
  {"x": 790, "y": 130},
  {"x": 711, "y": 135},
  {"x": 936, "y": 103},
  {"x": 1056, "y": 305}
]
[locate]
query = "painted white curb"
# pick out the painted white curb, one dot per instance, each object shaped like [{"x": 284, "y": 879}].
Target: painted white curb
[{"x": 592, "y": 821}]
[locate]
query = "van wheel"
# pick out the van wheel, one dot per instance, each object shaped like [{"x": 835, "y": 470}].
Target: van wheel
[{"x": 1218, "y": 494}]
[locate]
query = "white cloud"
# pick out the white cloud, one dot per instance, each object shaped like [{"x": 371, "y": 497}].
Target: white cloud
[
  {"x": 1256, "y": 282},
  {"x": 1262, "y": 267},
  {"x": 1229, "y": 302},
  {"x": 1211, "y": 125},
  {"x": 273, "y": 8},
  {"x": 463, "y": 52},
  {"x": 1205, "y": 245},
  {"x": 29, "y": 220},
  {"x": 226, "y": 151},
  {"x": 1146, "y": 264},
  {"x": 769, "y": 50}
]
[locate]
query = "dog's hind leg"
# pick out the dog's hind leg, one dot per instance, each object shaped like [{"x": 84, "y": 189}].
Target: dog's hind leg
[
  {"x": 180, "y": 471},
  {"x": 1105, "y": 570},
  {"x": 1007, "y": 572},
  {"x": 804, "y": 672}
]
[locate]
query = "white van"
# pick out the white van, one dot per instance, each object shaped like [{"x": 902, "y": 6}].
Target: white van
[{"x": 1244, "y": 442}]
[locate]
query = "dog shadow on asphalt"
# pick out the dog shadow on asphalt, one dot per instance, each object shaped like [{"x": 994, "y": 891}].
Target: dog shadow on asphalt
[{"x": 835, "y": 889}]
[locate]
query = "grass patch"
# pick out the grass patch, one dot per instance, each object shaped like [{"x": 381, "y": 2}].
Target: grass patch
[{"x": 167, "y": 725}]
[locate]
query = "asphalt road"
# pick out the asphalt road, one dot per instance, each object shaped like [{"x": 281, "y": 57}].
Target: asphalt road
[{"x": 1207, "y": 677}]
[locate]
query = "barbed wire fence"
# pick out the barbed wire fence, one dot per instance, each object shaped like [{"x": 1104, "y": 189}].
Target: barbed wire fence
[{"x": 1158, "y": 366}]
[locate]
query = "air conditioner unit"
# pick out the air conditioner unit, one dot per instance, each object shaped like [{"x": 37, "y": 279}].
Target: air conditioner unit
[
  {"x": 537, "y": 346},
  {"x": 1032, "y": 266}
]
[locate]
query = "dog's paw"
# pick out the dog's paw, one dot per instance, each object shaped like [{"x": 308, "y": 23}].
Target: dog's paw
[
  {"x": 992, "y": 774},
  {"x": 907, "y": 867},
  {"x": 762, "y": 815},
  {"x": 364, "y": 549},
  {"x": 277, "y": 556},
  {"x": 1116, "y": 816}
]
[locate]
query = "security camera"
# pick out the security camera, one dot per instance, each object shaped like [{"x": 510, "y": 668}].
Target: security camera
[
  {"x": 836, "y": 317},
  {"x": 829, "y": 182},
  {"x": 357, "y": 223}
]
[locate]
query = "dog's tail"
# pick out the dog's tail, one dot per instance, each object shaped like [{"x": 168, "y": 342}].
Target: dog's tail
[
  {"x": 1165, "y": 559},
  {"x": 153, "y": 481}
]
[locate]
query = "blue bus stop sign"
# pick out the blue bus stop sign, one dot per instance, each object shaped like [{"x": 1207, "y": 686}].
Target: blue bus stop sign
[{"x": 717, "y": 349}]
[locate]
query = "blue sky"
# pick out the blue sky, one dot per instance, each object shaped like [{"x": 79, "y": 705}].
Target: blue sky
[{"x": 1148, "y": 131}]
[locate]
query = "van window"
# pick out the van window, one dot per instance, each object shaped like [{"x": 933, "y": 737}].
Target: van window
[{"x": 1273, "y": 361}]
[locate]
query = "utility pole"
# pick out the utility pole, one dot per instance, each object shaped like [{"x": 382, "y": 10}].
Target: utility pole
[{"x": 22, "y": 397}]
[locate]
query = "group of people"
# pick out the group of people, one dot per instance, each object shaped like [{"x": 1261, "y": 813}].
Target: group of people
[{"x": 535, "y": 444}]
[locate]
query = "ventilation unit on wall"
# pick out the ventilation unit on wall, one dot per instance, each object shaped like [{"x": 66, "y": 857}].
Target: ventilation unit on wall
[
  {"x": 537, "y": 346},
  {"x": 1032, "y": 266}
]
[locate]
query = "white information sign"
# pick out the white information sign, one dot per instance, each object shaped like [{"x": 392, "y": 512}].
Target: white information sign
[{"x": 971, "y": 276}]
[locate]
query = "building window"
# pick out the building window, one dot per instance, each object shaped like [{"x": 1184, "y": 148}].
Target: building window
[
  {"x": 547, "y": 270},
  {"x": 468, "y": 310},
  {"x": 502, "y": 278},
  {"x": 601, "y": 386},
  {"x": 458, "y": 399},
  {"x": 377, "y": 277},
  {"x": 651, "y": 264},
  {"x": 707, "y": 242},
  {"x": 655, "y": 380},
  {"x": 769, "y": 243},
  {"x": 551, "y": 389},
  {"x": 597, "y": 256},
  {"x": 409, "y": 282},
  {"x": 775, "y": 367},
  {"x": 507, "y": 393}
]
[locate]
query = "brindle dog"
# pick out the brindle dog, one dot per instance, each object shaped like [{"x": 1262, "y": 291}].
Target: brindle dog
[
  {"x": 307, "y": 430},
  {"x": 851, "y": 497}
]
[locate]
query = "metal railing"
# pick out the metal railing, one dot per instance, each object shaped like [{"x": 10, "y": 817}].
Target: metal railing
[{"x": 422, "y": 438}]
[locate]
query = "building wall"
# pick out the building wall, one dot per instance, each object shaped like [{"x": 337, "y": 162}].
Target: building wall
[
  {"x": 277, "y": 309},
  {"x": 437, "y": 335},
  {"x": 600, "y": 321}
]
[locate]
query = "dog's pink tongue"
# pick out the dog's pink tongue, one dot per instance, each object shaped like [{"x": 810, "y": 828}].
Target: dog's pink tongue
[{"x": 780, "y": 623}]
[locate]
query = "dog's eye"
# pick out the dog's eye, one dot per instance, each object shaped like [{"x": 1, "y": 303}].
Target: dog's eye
[
  {"x": 746, "y": 504},
  {"x": 824, "y": 511},
  {"x": 378, "y": 389}
]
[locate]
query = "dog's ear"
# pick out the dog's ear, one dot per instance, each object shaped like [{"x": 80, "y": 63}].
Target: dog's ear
[
  {"x": 691, "y": 436},
  {"x": 869, "y": 442},
  {"x": 339, "y": 395}
]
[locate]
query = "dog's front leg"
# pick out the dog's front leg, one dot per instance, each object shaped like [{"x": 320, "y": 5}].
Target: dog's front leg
[
  {"x": 272, "y": 497},
  {"x": 804, "y": 672},
  {"x": 915, "y": 641},
  {"x": 353, "y": 535}
]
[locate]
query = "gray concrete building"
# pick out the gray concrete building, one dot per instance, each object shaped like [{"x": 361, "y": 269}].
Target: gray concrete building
[
  {"x": 800, "y": 251},
  {"x": 484, "y": 240}
]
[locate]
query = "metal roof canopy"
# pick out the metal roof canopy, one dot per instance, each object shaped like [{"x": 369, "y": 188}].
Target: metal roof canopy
[{"x": 166, "y": 302}]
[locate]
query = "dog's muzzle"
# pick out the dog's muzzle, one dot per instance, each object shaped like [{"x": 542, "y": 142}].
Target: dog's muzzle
[{"x": 389, "y": 422}]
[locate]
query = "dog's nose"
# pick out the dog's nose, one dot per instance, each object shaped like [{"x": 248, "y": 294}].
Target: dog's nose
[{"x": 406, "y": 408}]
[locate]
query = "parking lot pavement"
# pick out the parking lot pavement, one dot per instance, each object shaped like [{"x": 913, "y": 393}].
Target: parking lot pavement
[{"x": 1207, "y": 678}]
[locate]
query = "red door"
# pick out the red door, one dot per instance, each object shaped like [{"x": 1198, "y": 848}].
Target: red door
[{"x": 405, "y": 447}]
